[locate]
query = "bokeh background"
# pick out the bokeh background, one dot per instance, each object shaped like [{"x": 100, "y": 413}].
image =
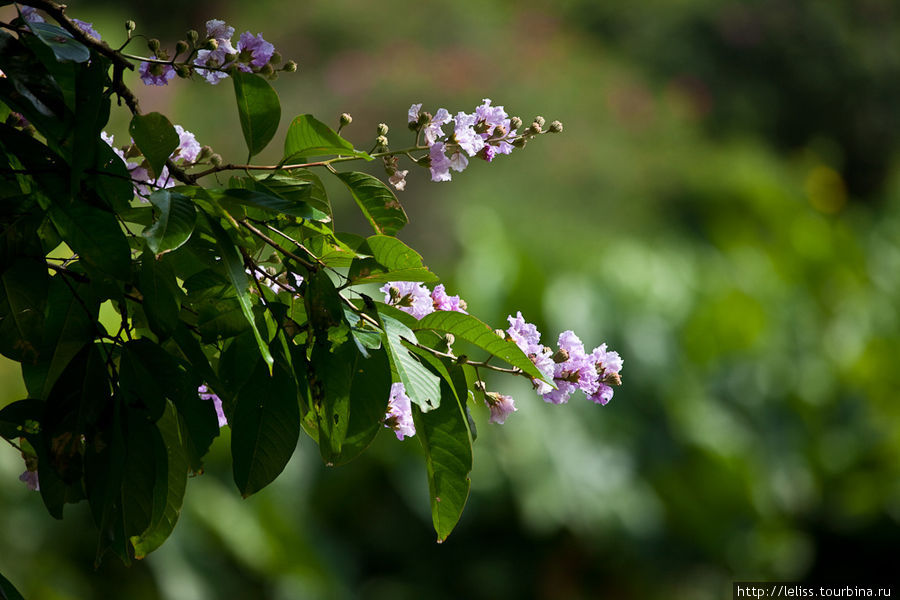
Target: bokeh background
[{"x": 723, "y": 208}]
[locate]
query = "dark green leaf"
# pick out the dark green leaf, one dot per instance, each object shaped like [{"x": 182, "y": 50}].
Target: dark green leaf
[
  {"x": 422, "y": 386},
  {"x": 162, "y": 296},
  {"x": 444, "y": 435},
  {"x": 14, "y": 417},
  {"x": 258, "y": 109},
  {"x": 307, "y": 136},
  {"x": 64, "y": 46},
  {"x": 145, "y": 469},
  {"x": 299, "y": 184},
  {"x": 95, "y": 235},
  {"x": 175, "y": 224},
  {"x": 140, "y": 383},
  {"x": 377, "y": 202},
  {"x": 265, "y": 428},
  {"x": 391, "y": 260},
  {"x": 23, "y": 298},
  {"x": 155, "y": 137},
  {"x": 468, "y": 328},
  {"x": 166, "y": 509},
  {"x": 7, "y": 590}
]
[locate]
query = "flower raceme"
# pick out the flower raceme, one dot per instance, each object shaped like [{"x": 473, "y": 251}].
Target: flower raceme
[{"x": 570, "y": 367}]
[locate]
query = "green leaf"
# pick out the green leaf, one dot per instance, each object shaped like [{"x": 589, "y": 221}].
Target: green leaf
[
  {"x": 7, "y": 590},
  {"x": 166, "y": 508},
  {"x": 140, "y": 384},
  {"x": 265, "y": 428},
  {"x": 444, "y": 435},
  {"x": 307, "y": 136},
  {"x": 94, "y": 235},
  {"x": 297, "y": 185},
  {"x": 234, "y": 268},
  {"x": 23, "y": 298},
  {"x": 175, "y": 224},
  {"x": 269, "y": 202},
  {"x": 144, "y": 471},
  {"x": 162, "y": 296},
  {"x": 258, "y": 109},
  {"x": 377, "y": 202},
  {"x": 468, "y": 328},
  {"x": 422, "y": 386},
  {"x": 64, "y": 46},
  {"x": 155, "y": 137},
  {"x": 391, "y": 260}
]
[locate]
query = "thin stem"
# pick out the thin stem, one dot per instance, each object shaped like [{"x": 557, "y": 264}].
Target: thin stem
[{"x": 276, "y": 246}]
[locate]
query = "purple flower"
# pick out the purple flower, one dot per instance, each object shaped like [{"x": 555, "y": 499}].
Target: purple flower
[
  {"x": 155, "y": 73},
  {"x": 399, "y": 413},
  {"x": 188, "y": 149},
  {"x": 440, "y": 164},
  {"x": 409, "y": 296},
  {"x": 30, "y": 14},
  {"x": 118, "y": 151},
  {"x": 87, "y": 28},
  {"x": 442, "y": 301},
  {"x": 492, "y": 116},
  {"x": 213, "y": 59},
  {"x": 465, "y": 135},
  {"x": 433, "y": 131},
  {"x": 253, "y": 52},
  {"x": 30, "y": 478},
  {"x": 458, "y": 161},
  {"x": 488, "y": 153},
  {"x": 413, "y": 114},
  {"x": 216, "y": 29},
  {"x": 608, "y": 364},
  {"x": 524, "y": 334},
  {"x": 501, "y": 407},
  {"x": 206, "y": 394}
]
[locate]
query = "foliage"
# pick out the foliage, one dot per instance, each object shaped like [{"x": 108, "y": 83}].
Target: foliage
[{"x": 239, "y": 304}]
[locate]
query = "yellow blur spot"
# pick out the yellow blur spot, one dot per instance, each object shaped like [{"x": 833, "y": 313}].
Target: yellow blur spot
[{"x": 825, "y": 190}]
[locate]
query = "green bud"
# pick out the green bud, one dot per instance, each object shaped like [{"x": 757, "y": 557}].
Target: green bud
[
  {"x": 555, "y": 127},
  {"x": 215, "y": 160},
  {"x": 153, "y": 44},
  {"x": 539, "y": 120},
  {"x": 181, "y": 47},
  {"x": 130, "y": 25},
  {"x": 515, "y": 123},
  {"x": 267, "y": 70},
  {"x": 561, "y": 356},
  {"x": 276, "y": 58},
  {"x": 192, "y": 36},
  {"x": 519, "y": 142},
  {"x": 211, "y": 44},
  {"x": 535, "y": 128},
  {"x": 382, "y": 129},
  {"x": 290, "y": 66},
  {"x": 205, "y": 152},
  {"x": 183, "y": 71},
  {"x": 346, "y": 119}
]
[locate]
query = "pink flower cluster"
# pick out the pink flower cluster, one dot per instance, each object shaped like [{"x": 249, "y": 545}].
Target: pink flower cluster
[
  {"x": 484, "y": 133},
  {"x": 570, "y": 366},
  {"x": 187, "y": 153},
  {"x": 416, "y": 299}
]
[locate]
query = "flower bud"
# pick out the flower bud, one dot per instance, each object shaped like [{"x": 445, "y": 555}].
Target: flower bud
[
  {"x": 394, "y": 293},
  {"x": 555, "y": 127},
  {"x": 183, "y": 71},
  {"x": 515, "y": 122},
  {"x": 424, "y": 119},
  {"x": 192, "y": 36},
  {"x": 181, "y": 47},
  {"x": 500, "y": 333},
  {"x": 449, "y": 338},
  {"x": 382, "y": 129},
  {"x": 346, "y": 119},
  {"x": 499, "y": 132},
  {"x": 519, "y": 142},
  {"x": 479, "y": 385},
  {"x": 130, "y": 25},
  {"x": 211, "y": 44},
  {"x": 276, "y": 58},
  {"x": 539, "y": 120},
  {"x": 381, "y": 141},
  {"x": 535, "y": 128},
  {"x": 290, "y": 66},
  {"x": 215, "y": 160},
  {"x": 267, "y": 70},
  {"x": 205, "y": 152},
  {"x": 612, "y": 379},
  {"x": 153, "y": 45},
  {"x": 561, "y": 356}
]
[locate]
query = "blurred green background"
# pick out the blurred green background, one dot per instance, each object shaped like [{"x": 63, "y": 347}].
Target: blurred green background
[{"x": 723, "y": 208}]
